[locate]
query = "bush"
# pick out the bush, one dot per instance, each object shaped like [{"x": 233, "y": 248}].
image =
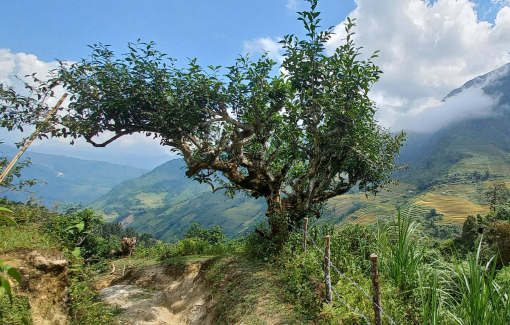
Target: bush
[{"x": 200, "y": 241}]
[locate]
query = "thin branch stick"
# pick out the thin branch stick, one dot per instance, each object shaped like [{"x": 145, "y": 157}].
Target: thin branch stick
[{"x": 33, "y": 136}]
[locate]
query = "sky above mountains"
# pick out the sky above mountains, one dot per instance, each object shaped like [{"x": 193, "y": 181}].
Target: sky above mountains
[{"x": 428, "y": 48}]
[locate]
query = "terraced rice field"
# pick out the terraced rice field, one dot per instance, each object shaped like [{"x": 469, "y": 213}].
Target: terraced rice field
[{"x": 454, "y": 208}]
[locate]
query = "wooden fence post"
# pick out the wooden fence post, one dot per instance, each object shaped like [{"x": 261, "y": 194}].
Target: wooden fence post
[
  {"x": 377, "y": 292},
  {"x": 305, "y": 229},
  {"x": 327, "y": 275}
]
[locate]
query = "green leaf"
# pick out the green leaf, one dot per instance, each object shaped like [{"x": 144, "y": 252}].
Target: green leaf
[
  {"x": 7, "y": 219},
  {"x": 76, "y": 252},
  {"x": 7, "y": 287},
  {"x": 14, "y": 274},
  {"x": 2, "y": 209},
  {"x": 80, "y": 226}
]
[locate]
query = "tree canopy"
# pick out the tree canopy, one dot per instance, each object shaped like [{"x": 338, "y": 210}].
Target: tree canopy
[{"x": 306, "y": 133}]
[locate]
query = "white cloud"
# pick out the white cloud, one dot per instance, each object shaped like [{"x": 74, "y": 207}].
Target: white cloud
[
  {"x": 292, "y": 5},
  {"x": 22, "y": 64},
  {"x": 501, "y": 2},
  {"x": 427, "y": 50},
  {"x": 265, "y": 44},
  {"x": 434, "y": 115}
]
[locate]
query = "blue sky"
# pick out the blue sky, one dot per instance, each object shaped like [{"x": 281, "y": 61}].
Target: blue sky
[
  {"x": 428, "y": 47},
  {"x": 213, "y": 31}
]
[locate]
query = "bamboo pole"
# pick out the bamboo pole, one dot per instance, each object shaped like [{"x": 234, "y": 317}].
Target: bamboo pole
[
  {"x": 327, "y": 270},
  {"x": 305, "y": 229},
  {"x": 33, "y": 136},
  {"x": 377, "y": 292}
]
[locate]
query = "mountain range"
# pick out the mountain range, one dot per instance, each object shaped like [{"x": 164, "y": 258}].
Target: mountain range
[
  {"x": 448, "y": 170},
  {"x": 68, "y": 180}
]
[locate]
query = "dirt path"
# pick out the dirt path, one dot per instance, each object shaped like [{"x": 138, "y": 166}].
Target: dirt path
[{"x": 160, "y": 294}]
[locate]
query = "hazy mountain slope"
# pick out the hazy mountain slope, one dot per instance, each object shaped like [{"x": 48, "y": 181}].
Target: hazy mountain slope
[
  {"x": 69, "y": 180},
  {"x": 165, "y": 202},
  {"x": 447, "y": 171},
  {"x": 464, "y": 149}
]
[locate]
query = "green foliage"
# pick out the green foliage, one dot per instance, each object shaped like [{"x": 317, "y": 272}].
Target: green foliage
[
  {"x": 4, "y": 217},
  {"x": 401, "y": 252},
  {"x": 497, "y": 195},
  {"x": 310, "y": 132},
  {"x": 9, "y": 182},
  {"x": 212, "y": 236},
  {"x": 200, "y": 241},
  {"x": 16, "y": 311},
  {"x": 81, "y": 229},
  {"x": 5, "y": 286},
  {"x": 258, "y": 247},
  {"x": 85, "y": 305},
  {"x": 481, "y": 299}
]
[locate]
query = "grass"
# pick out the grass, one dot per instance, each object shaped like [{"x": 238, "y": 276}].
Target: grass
[
  {"x": 248, "y": 292},
  {"x": 28, "y": 236},
  {"x": 151, "y": 200},
  {"x": 18, "y": 313}
]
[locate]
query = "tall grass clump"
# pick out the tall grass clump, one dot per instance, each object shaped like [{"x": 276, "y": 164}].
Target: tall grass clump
[
  {"x": 431, "y": 294},
  {"x": 401, "y": 252},
  {"x": 481, "y": 300}
]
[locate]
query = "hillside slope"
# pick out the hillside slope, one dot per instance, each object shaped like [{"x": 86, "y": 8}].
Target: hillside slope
[
  {"x": 69, "y": 180},
  {"x": 448, "y": 170},
  {"x": 165, "y": 202},
  {"x": 466, "y": 149}
]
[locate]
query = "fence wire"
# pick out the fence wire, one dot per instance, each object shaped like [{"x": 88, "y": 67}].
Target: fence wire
[
  {"x": 336, "y": 293},
  {"x": 343, "y": 275}
]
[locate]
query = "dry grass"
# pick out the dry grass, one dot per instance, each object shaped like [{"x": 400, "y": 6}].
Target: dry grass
[
  {"x": 500, "y": 169},
  {"x": 454, "y": 208},
  {"x": 382, "y": 204}
]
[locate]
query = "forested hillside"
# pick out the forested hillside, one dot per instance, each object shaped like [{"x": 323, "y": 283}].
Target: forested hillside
[
  {"x": 460, "y": 160},
  {"x": 68, "y": 180}
]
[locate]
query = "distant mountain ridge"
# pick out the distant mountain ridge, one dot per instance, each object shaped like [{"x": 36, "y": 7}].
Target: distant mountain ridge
[
  {"x": 68, "y": 180},
  {"x": 164, "y": 202},
  {"x": 460, "y": 150}
]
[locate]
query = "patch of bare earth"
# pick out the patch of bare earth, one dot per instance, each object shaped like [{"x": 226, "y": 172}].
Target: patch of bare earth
[
  {"x": 159, "y": 294},
  {"x": 45, "y": 284}
]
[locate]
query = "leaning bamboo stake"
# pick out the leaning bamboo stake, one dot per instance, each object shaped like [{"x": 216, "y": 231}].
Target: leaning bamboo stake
[
  {"x": 305, "y": 229},
  {"x": 327, "y": 274},
  {"x": 377, "y": 292},
  {"x": 33, "y": 136}
]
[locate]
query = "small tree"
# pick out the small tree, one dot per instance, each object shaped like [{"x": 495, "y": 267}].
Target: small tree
[
  {"x": 307, "y": 134},
  {"x": 498, "y": 194}
]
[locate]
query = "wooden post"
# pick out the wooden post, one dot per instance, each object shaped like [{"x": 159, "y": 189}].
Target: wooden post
[
  {"x": 33, "y": 136},
  {"x": 327, "y": 275},
  {"x": 305, "y": 229},
  {"x": 377, "y": 292}
]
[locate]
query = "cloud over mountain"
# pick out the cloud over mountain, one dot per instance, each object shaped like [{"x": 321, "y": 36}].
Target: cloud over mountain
[{"x": 427, "y": 49}]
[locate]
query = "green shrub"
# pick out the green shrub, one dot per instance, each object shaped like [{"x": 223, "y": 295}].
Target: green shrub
[
  {"x": 17, "y": 313},
  {"x": 86, "y": 307},
  {"x": 200, "y": 241}
]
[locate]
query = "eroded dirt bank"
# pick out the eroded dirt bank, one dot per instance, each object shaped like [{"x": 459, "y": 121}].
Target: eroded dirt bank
[
  {"x": 160, "y": 294},
  {"x": 44, "y": 282}
]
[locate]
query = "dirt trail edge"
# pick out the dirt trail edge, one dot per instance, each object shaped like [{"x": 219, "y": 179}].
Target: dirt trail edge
[{"x": 160, "y": 294}]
